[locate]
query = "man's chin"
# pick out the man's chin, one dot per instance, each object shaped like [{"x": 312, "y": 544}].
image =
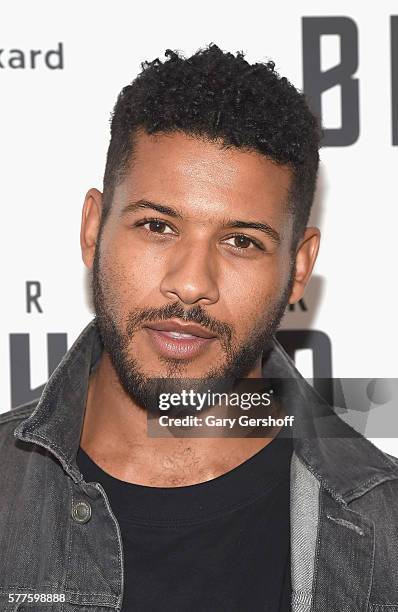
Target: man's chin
[{"x": 151, "y": 365}]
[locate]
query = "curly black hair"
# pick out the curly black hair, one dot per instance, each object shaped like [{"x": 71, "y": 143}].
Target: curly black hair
[{"x": 219, "y": 96}]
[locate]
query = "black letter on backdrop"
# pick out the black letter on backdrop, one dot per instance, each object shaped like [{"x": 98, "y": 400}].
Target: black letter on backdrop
[
  {"x": 21, "y": 391},
  {"x": 59, "y": 58},
  {"x": 394, "y": 78},
  {"x": 316, "y": 82},
  {"x": 33, "y": 297},
  {"x": 293, "y": 340}
]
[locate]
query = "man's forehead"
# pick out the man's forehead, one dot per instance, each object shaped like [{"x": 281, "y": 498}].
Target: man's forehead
[
  {"x": 203, "y": 174},
  {"x": 191, "y": 153}
]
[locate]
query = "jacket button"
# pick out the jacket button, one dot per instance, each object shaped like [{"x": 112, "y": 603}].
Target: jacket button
[{"x": 81, "y": 512}]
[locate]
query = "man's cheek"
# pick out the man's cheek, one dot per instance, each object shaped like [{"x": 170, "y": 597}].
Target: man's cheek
[
  {"x": 247, "y": 303},
  {"x": 251, "y": 314},
  {"x": 136, "y": 291}
]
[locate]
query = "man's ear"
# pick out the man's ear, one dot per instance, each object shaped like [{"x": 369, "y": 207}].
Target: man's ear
[
  {"x": 91, "y": 220},
  {"x": 306, "y": 255}
]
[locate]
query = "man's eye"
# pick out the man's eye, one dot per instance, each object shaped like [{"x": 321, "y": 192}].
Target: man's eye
[
  {"x": 241, "y": 241},
  {"x": 157, "y": 226}
]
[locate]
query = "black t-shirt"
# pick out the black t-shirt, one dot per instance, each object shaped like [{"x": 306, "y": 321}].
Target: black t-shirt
[{"x": 220, "y": 545}]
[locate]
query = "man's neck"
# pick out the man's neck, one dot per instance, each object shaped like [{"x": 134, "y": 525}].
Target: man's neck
[{"x": 115, "y": 436}]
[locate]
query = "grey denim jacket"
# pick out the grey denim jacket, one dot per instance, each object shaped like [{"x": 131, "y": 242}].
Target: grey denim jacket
[{"x": 58, "y": 534}]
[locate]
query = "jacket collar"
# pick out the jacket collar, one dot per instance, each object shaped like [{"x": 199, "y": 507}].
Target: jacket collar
[
  {"x": 345, "y": 463},
  {"x": 56, "y": 422}
]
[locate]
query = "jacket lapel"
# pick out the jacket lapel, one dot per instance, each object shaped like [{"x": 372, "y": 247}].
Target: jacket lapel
[{"x": 332, "y": 548}]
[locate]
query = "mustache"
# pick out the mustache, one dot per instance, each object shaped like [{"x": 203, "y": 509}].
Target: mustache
[{"x": 196, "y": 314}]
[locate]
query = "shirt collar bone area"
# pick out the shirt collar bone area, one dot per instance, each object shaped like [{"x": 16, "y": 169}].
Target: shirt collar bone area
[{"x": 326, "y": 473}]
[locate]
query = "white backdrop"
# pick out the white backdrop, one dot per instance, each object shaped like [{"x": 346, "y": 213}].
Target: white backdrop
[{"x": 55, "y": 131}]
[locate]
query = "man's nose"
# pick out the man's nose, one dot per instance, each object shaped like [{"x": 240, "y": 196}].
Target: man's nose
[{"x": 191, "y": 276}]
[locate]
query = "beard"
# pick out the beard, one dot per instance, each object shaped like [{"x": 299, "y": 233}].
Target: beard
[{"x": 144, "y": 390}]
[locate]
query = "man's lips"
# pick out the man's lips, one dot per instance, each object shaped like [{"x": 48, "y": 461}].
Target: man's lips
[
  {"x": 178, "y": 340},
  {"x": 175, "y": 326}
]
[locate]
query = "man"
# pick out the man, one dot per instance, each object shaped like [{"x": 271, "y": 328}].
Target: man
[{"x": 196, "y": 245}]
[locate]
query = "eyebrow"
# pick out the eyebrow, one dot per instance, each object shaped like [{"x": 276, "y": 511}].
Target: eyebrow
[
  {"x": 161, "y": 208},
  {"x": 262, "y": 227},
  {"x": 172, "y": 212}
]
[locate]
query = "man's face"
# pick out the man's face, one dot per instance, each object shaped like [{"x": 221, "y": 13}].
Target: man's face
[{"x": 193, "y": 269}]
